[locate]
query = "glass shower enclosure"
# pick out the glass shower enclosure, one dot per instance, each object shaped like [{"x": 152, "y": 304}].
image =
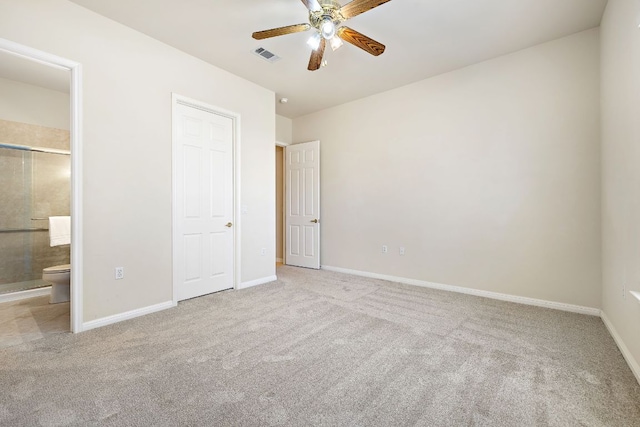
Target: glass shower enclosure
[{"x": 34, "y": 185}]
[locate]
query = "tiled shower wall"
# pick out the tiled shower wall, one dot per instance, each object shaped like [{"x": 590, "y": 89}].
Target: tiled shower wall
[{"x": 32, "y": 185}]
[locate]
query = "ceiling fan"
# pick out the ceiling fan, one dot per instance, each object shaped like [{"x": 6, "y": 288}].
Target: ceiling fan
[{"x": 326, "y": 16}]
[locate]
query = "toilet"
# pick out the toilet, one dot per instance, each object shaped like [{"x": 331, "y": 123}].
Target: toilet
[{"x": 59, "y": 276}]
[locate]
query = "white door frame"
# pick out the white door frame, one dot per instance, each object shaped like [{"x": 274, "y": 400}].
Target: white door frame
[
  {"x": 176, "y": 100},
  {"x": 75, "y": 134}
]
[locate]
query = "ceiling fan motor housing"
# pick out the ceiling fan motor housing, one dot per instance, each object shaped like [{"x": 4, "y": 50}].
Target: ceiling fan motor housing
[{"x": 330, "y": 11}]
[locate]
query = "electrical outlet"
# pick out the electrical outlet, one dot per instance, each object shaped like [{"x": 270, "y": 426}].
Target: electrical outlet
[
  {"x": 263, "y": 251},
  {"x": 385, "y": 249},
  {"x": 401, "y": 250},
  {"x": 119, "y": 273}
]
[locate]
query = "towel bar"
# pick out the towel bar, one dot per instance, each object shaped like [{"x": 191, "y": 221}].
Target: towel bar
[
  {"x": 17, "y": 230},
  {"x": 45, "y": 218}
]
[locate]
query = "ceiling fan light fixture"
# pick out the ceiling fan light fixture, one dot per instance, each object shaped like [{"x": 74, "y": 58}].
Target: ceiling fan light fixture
[
  {"x": 328, "y": 28},
  {"x": 326, "y": 19},
  {"x": 314, "y": 41},
  {"x": 336, "y": 42}
]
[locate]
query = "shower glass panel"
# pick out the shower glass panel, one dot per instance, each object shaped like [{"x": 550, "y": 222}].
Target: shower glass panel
[{"x": 34, "y": 186}]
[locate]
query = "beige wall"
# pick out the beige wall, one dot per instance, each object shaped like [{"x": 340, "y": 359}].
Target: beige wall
[
  {"x": 284, "y": 129},
  {"x": 128, "y": 79},
  {"x": 620, "y": 170},
  {"x": 24, "y": 103},
  {"x": 488, "y": 176}
]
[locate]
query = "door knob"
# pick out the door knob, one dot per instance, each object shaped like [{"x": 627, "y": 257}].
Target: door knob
[
  {"x": 315, "y": 221},
  {"x": 228, "y": 224}
]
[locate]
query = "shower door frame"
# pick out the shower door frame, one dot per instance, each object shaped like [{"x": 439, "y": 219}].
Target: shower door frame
[{"x": 75, "y": 134}]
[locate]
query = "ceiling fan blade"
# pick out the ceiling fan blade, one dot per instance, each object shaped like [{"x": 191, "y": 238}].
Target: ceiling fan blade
[
  {"x": 312, "y": 5},
  {"x": 316, "y": 56},
  {"x": 280, "y": 31},
  {"x": 360, "y": 40},
  {"x": 356, "y": 7}
]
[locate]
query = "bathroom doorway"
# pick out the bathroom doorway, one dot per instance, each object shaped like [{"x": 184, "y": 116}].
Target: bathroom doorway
[
  {"x": 39, "y": 131},
  {"x": 36, "y": 186}
]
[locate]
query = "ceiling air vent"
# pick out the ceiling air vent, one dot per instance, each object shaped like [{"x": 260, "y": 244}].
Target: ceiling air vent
[{"x": 266, "y": 55}]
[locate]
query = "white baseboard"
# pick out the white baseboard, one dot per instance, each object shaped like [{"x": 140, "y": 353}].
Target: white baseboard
[
  {"x": 477, "y": 292},
  {"x": 257, "y": 282},
  {"x": 109, "y": 320},
  {"x": 29, "y": 293},
  {"x": 280, "y": 260},
  {"x": 631, "y": 361}
]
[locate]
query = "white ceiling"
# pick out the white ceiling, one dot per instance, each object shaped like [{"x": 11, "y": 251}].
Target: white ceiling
[{"x": 424, "y": 38}]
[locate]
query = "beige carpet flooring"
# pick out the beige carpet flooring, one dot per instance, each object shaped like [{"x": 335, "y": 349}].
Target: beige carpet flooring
[{"x": 319, "y": 348}]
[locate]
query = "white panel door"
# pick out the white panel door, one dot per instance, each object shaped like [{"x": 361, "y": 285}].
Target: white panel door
[
  {"x": 204, "y": 241},
  {"x": 302, "y": 219}
]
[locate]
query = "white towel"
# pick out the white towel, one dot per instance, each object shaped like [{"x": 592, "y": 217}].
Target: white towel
[{"x": 59, "y": 230}]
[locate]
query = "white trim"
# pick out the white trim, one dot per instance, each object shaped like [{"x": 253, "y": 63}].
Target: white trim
[
  {"x": 284, "y": 198},
  {"x": 635, "y": 294},
  {"x": 109, "y": 320},
  {"x": 75, "y": 134},
  {"x": 284, "y": 206},
  {"x": 633, "y": 363},
  {"x": 477, "y": 292},
  {"x": 174, "y": 195},
  {"x": 235, "y": 117},
  {"x": 29, "y": 293},
  {"x": 77, "y": 239},
  {"x": 257, "y": 282},
  {"x": 237, "y": 212}
]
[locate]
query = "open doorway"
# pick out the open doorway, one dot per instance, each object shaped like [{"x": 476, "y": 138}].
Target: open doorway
[
  {"x": 40, "y": 142},
  {"x": 298, "y": 204}
]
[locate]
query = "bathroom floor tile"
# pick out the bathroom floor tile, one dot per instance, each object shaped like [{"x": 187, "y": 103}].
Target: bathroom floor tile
[{"x": 31, "y": 319}]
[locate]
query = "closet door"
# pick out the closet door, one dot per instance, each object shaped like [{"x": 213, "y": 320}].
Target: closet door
[{"x": 204, "y": 240}]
